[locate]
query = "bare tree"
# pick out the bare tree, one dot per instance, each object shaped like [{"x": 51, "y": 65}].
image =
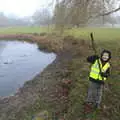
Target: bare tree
[
  {"x": 59, "y": 16},
  {"x": 42, "y": 17},
  {"x": 79, "y": 12}
]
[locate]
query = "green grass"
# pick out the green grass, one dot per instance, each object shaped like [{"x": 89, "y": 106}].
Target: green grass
[
  {"x": 106, "y": 34},
  {"x": 14, "y": 30},
  {"x": 100, "y": 34},
  {"x": 79, "y": 91},
  {"x": 105, "y": 38}
]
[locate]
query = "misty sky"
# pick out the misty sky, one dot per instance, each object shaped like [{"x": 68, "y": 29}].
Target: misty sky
[{"x": 21, "y": 8}]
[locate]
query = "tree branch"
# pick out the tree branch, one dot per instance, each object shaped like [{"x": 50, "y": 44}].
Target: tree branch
[
  {"x": 105, "y": 14},
  {"x": 110, "y": 12}
]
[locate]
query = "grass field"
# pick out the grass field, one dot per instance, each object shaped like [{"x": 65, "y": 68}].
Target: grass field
[
  {"x": 14, "y": 30},
  {"x": 106, "y": 34}
]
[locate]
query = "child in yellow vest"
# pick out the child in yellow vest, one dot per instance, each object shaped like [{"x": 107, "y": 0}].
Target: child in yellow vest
[{"x": 100, "y": 70}]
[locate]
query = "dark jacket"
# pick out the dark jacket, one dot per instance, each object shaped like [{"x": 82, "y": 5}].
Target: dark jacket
[{"x": 92, "y": 59}]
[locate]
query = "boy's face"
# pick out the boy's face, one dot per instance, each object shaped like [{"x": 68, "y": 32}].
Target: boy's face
[{"x": 105, "y": 56}]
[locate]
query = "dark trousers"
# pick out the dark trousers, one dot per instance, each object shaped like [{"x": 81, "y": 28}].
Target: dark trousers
[{"x": 94, "y": 93}]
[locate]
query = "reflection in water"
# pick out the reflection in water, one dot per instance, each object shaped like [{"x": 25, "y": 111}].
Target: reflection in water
[
  {"x": 2, "y": 46},
  {"x": 19, "y": 62}
]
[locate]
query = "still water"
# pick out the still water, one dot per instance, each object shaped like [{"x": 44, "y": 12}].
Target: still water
[{"x": 20, "y": 62}]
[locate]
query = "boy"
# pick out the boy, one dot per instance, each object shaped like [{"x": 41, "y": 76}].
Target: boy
[{"x": 100, "y": 70}]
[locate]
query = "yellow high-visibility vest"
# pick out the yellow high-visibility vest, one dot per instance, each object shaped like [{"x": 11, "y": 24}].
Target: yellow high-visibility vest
[{"x": 95, "y": 70}]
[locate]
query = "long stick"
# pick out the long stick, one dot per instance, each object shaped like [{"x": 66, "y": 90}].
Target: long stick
[
  {"x": 94, "y": 49},
  {"x": 93, "y": 44}
]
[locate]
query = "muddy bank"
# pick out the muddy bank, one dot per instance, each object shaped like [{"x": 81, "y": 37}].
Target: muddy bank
[
  {"x": 50, "y": 89},
  {"x": 43, "y": 88},
  {"x": 48, "y": 43}
]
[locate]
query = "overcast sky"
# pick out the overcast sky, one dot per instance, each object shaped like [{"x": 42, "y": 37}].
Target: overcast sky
[{"x": 21, "y": 8}]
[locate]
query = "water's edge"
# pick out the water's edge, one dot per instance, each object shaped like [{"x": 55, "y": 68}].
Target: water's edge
[{"x": 20, "y": 62}]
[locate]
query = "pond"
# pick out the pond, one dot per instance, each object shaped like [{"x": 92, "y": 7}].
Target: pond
[{"x": 20, "y": 62}]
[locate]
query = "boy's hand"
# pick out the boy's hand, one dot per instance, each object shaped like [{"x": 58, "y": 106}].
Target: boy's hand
[{"x": 103, "y": 74}]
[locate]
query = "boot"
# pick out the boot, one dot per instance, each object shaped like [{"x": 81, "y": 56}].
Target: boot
[{"x": 88, "y": 108}]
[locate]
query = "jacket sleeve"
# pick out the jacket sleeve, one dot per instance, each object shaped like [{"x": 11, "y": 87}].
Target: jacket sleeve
[
  {"x": 92, "y": 59},
  {"x": 106, "y": 74}
]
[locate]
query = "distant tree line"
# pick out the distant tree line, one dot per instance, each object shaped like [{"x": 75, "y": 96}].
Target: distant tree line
[{"x": 6, "y": 21}]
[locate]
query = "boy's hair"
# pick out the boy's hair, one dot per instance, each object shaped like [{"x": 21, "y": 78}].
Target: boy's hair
[{"x": 106, "y": 51}]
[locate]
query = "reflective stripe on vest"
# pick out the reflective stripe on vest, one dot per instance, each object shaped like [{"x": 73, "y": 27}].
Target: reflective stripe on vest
[{"x": 95, "y": 70}]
